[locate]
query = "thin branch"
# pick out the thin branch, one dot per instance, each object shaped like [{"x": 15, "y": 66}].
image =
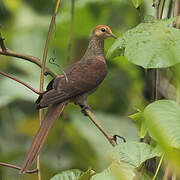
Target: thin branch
[
  {"x": 2, "y": 43},
  {"x": 159, "y": 165},
  {"x": 161, "y": 8},
  {"x": 43, "y": 69},
  {"x": 169, "y": 9},
  {"x": 71, "y": 31},
  {"x": 32, "y": 59},
  {"x": 21, "y": 82},
  {"x": 111, "y": 139},
  {"x": 156, "y": 82},
  {"x": 18, "y": 168}
]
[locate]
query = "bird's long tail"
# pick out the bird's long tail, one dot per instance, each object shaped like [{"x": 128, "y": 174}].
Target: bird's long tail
[{"x": 52, "y": 114}]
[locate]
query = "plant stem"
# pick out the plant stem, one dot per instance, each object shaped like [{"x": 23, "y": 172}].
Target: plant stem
[
  {"x": 169, "y": 9},
  {"x": 161, "y": 8},
  {"x": 21, "y": 82},
  {"x": 43, "y": 69},
  {"x": 110, "y": 138},
  {"x": 32, "y": 59},
  {"x": 159, "y": 165},
  {"x": 70, "y": 32},
  {"x": 17, "y": 167}
]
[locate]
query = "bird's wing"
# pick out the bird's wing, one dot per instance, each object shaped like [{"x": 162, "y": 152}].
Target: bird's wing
[{"x": 82, "y": 77}]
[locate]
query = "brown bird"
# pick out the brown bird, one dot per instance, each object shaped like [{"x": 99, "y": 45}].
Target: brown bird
[{"x": 80, "y": 79}]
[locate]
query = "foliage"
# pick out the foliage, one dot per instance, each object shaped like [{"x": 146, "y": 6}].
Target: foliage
[
  {"x": 147, "y": 43},
  {"x": 152, "y": 44}
]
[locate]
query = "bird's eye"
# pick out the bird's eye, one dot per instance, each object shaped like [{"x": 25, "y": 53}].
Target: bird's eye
[{"x": 103, "y": 30}]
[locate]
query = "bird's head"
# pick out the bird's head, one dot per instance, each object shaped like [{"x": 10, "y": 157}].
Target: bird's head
[{"x": 103, "y": 32}]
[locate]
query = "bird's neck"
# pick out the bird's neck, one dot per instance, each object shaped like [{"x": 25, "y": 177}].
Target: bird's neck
[{"x": 95, "y": 49}]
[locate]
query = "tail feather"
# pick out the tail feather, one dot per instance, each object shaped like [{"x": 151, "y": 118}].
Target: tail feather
[{"x": 52, "y": 114}]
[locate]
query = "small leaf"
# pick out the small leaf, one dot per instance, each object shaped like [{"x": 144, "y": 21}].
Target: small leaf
[
  {"x": 153, "y": 44},
  {"x": 137, "y": 3},
  {"x": 134, "y": 153},
  {"x": 73, "y": 174},
  {"x": 164, "y": 115},
  {"x": 139, "y": 121}
]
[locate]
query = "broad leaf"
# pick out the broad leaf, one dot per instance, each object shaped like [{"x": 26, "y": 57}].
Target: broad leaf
[
  {"x": 152, "y": 44},
  {"x": 163, "y": 120},
  {"x": 116, "y": 171},
  {"x": 134, "y": 153},
  {"x": 73, "y": 174}
]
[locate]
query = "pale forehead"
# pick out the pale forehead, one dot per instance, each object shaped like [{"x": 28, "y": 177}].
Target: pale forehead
[{"x": 102, "y": 26}]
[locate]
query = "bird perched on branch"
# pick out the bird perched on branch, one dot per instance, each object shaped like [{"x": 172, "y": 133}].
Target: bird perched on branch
[{"x": 79, "y": 81}]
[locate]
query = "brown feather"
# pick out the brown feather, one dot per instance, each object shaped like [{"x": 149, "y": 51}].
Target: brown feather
[
  {"x": 82, "y": 77},
  {"x": 52, "y": 114}
]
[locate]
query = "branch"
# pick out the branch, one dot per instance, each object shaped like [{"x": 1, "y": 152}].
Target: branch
[
  {"x": 169, "y": 9},
  {"x": 176, "y": 8},
  {"x": 43, "y": 70},
  {"x": 71, "y": 31},
  {"x": 17, "y": 167},
  {"x": 21, "y": 82},
  {"x": 161, "y": 8},
  {"x": 2, "y": 43},
  {"x": 158, "y": 168},
  {"x": 111, "y": 139},
  {"x": 32, "y": 59}
]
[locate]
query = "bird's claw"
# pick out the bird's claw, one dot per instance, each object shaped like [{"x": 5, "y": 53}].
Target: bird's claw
[
  {"x": 83, "y": 109},
  {"x": 117, "y": 136}
]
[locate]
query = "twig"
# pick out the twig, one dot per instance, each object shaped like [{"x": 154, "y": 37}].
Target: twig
[
  {"x": 43, "y": 69},
  {"x": 17, "y": 167},
  {"x": 159, "y": 165},
  {"x": 70, "y": 32},
  {"x": 21, "y": 82},
  {"x": 155, "y": 84},
  {"x": 32, "y": 59},
  {"x": 2, "y": 43},
  {"x": 111, "y": 139},
  {"x": 161, "y": 8},
  {"x": 169, "y": 9}
]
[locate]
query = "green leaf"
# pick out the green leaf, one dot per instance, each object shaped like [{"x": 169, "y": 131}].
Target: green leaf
[
  {"x": 73, "y": 174},
  {"x": 137, "y": 3},
  {"x": 87, "y": 175},
  {"x": 134, "y": 153},
  {"x": 139, "y": 121},
  {"x": 164, "y": 117},
  {"x": 116, "y": 171},
  {"x": 153, "y": 44}
]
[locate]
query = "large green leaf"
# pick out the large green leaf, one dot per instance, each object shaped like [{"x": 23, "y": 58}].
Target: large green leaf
[
  {"x": 116, "y": 171},
  {"x": 152, "y": 44},
  {"x": 73, "y": 174},
  {"x": 164, "y": 117},
  {"x": 134, "y": 153}
]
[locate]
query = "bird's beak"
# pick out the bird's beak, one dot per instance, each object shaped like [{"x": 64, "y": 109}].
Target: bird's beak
[{"x": 112, "y": 35}]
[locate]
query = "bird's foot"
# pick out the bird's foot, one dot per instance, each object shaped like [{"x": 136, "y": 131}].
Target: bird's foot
[
  {"x": 83, "y": 109},
  {"x": 117, "y": 136}
]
